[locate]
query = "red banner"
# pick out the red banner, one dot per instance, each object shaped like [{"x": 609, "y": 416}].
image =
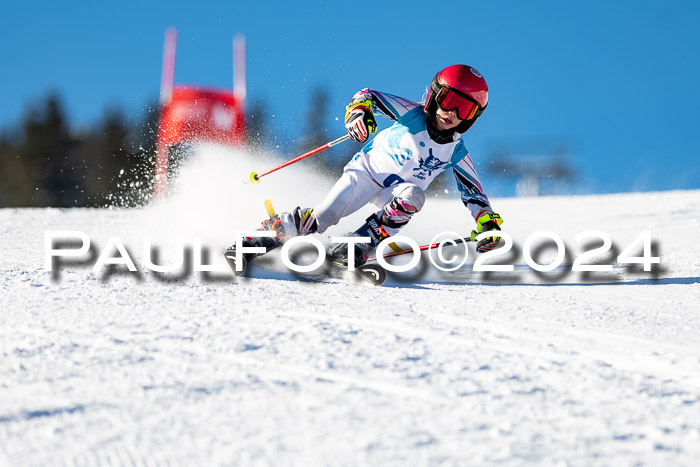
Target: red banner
[{"x": 194, "y": 114}]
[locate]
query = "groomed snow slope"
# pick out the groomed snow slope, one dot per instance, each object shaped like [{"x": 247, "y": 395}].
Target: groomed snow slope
[{"x": 447, "y": 369}]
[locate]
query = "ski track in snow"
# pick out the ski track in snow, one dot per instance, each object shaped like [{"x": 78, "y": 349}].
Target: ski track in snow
[{"x": 446, "y": 369}]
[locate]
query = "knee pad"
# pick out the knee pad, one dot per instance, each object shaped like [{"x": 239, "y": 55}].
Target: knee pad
[
  {"x": 405, "y": 204},
  {"x": 411, "y": 195}
]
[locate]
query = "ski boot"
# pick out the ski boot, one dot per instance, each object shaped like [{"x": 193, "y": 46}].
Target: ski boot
[
  {"x": 340, "y": 257},
  {"x": 373, "y": 229},
  {"x": 300, "y": 221},
  {"x": 269, "y": 243}
]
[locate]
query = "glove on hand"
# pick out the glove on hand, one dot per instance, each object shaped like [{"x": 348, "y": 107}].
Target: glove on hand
[
  {"x": 486, "y": 222},
  {"x": 359, "y": 121}
]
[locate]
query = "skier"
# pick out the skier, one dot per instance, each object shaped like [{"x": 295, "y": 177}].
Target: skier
[{"x": 393, "y": 170}]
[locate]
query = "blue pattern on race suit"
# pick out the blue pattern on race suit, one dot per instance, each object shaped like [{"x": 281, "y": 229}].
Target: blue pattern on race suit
[{"x": 394, "y": 148}]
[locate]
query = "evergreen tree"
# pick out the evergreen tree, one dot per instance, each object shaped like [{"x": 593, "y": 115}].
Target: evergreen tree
[
  {"x": 43, "y": 174},
  {"x": 43, "y": 164}
]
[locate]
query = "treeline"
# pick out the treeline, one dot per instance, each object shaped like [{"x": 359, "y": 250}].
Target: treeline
[{"x": 44, "y": 162}]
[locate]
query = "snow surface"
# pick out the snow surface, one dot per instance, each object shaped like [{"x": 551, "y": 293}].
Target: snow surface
[{"x": 116, "y": 368}]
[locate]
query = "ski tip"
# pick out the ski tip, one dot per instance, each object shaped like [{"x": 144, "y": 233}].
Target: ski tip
[
  {"x": 368, "y": 274},
  {"x": 372, "y": 273},
  {"x": 231, "y": 260},
  {"x": 269, "y": 208}
]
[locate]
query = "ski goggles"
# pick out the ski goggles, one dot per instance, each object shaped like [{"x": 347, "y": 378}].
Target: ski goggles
[{"x": 449, "y": 99}]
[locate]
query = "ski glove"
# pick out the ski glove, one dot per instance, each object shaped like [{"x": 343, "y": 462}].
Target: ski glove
[
  {"x": 359, "y": 120},
  {"x": 485, "y": 222}
]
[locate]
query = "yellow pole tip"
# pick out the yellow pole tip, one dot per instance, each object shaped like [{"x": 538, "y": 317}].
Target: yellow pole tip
[{"x": 254, "y": 177}]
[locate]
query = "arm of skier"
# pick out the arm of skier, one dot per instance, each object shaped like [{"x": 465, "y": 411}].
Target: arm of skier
[
  {"x": 388, "y": 105},
  {"x": 475, "y": 200},
  {"x": 359, "y": 118}
]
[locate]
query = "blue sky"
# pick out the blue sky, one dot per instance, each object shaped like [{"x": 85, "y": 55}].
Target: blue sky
[{"x": 618, "y": 81}]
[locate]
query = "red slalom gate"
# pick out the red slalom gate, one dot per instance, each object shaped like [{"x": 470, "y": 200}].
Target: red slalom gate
[{"x": 191, "y": 113}]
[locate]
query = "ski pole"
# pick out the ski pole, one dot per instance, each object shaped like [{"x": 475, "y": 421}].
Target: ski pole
[
  {"x": 422, "y": 248},
  {"x": 255, "y": 178}
]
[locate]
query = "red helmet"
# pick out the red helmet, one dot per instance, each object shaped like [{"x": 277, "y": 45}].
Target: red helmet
[{"x": 461, "y": 88}]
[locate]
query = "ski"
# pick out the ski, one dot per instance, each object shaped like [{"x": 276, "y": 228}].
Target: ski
[
  {"x": 273, "y": 223},
  {"x": 372, "y": 274},
  {"x": 230, "y": 256}
]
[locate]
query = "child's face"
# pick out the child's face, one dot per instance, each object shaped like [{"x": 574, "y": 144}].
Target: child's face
[{"x": 446, "y": 120}]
